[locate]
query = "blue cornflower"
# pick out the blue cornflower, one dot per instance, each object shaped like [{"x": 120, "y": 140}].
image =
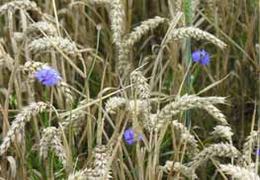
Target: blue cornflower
[
  {"x": 130, "y": 137},
  {"x": 257, "y": 152},
  {"x": 48, "y": 76},
  {"x": 201, "y": 56}
]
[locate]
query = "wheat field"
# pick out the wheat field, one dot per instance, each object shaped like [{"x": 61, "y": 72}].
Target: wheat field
[{"x": 129, "y": 89}]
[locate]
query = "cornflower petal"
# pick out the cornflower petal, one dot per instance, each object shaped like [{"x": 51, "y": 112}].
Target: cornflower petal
[
  {"x": 48, "y": 76},
  {"x": 201, "y": 56}
]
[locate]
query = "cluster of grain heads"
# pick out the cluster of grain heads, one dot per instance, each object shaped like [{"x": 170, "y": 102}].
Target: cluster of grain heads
[
  {"x": 100, "y": 169},
  {"x": 214, "y": 150},
  {"x": 177, "y": 167},
  {"x": 18, "y": 124},
  {"x": 187, "y": 102},
  {"x": 192, "y": 32},
  {"x": 17, "y": 5},
  {"x": 51, "y": 139},
  {"x": 239, "y": 173},
  {"x": 222, "y": 132},
  {"x": 50, "y": 43}
]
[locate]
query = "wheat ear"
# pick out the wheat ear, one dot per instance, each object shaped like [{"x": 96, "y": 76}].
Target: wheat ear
[
  {"x": 117, "y": 18},
  {"x": 51, "y": 138},
  {"x": 49, "y": 43},
  {"x": 238, "y": 172},
  {"x": 180, "y": 168},
  {"x": 184, "y": 103},
  {"x": 100, "y": 169},
  {"x": 223, "y": 132},
  {"x": 219, "y": 150},
  {"x": 74, "y": 120},
  {"x": 19, "y": 123},
  {"x": 142, "y": 87},
  {"x": 139, "y": 31},
  {"x": 16, "y": 5},
  {"x": 41, "y": 27},
  {"x": 198, "y": 34},
  {"x": 185, "y": 135},
  {"x": 249, "y": 144}
]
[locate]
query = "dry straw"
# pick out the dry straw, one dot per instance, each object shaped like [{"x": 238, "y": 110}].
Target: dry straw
[
  {"x": 238, "y": 172},
  {"x": 18, "y": 124},
  {"x": 192, "y": 32}
]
